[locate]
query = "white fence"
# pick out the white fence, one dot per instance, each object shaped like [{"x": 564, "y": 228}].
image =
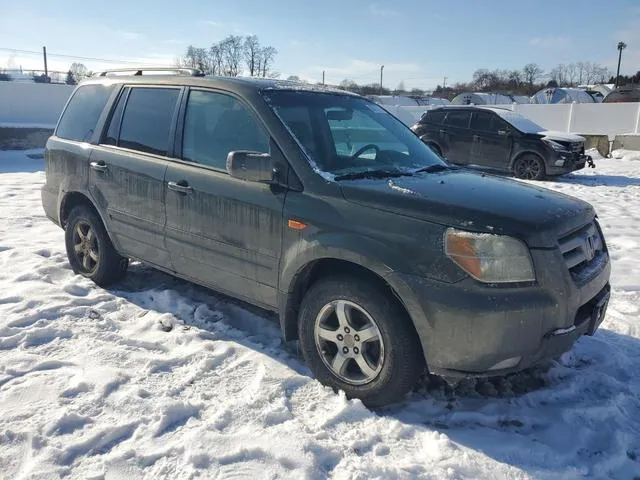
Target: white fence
[
  {"x": 32, "y": 104},
  {"x": 586, "y": 118}
]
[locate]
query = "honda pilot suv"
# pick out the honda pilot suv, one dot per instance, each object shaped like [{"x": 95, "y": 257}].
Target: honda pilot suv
[
  {"x": 383, "y": 261},
  {"x": 498, "y": 139}
]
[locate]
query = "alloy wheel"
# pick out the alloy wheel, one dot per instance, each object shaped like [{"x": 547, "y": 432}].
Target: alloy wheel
[
  {"x": 529, "y": 168},
  {"x": 349, "y": 342},
  {"x": 85, "y": 247}
]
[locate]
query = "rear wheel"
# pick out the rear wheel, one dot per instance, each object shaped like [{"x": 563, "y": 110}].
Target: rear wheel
[
  {"x": 356, "y": 338},
  {"x": 529, "y": 167},
  {"x": 89, "y": 248}
]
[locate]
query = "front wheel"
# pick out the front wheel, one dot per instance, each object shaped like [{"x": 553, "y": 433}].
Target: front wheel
[
  {"x": 356, "y": 338},
  {"x": 529, "y": 167}
]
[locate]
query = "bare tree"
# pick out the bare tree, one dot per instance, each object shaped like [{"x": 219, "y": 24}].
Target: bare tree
[
  {"x": 267, "y": 56},
  {"x": 252, "y": 54},
  {"x": 216, "y": 59},
  {"x": 232, "y": 54},
  {"x": 601, "y": 74},
  {"x": 78, "y": 71},
  {"x": 532, "y": 73},
  {"x": 515, "y": 78},
  {"x": 590, "y": 73},
  {"x": 580, "y": 67},
  {"x": 196, "y": 58},
  {"x": 559, "y": 75},
  {"x": 571, "y": 71}
]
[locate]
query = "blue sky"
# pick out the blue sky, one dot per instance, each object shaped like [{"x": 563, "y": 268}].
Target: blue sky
[{"x": 418, "y": 41}]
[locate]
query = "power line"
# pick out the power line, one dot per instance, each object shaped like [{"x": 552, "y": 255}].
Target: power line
[{"x": 73, "y": 57}]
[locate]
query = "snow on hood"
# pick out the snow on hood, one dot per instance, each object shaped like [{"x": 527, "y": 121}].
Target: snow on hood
[{"x": 562, "y": 136}]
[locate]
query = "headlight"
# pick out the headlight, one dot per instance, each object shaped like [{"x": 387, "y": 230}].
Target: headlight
[
  {"x": 489, "y": 258},
  {"x": 558, "y": 147}
]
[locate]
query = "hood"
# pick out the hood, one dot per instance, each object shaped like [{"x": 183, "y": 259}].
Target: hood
[
  {"x": 475, "y": 202},
  {"x": 561, "y": 136}
]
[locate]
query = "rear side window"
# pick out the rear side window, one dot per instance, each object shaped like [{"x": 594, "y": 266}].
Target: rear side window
[
  {"x": 458, "y": 119},
  {"x": 435, "y": 117},
  {"x": 81, "y": 116},
  {"x": 147, "y": 119},
  {"x": 483, "y": 121}
]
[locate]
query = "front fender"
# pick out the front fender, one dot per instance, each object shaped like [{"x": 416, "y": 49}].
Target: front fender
[{"x": 365, "y": 252}]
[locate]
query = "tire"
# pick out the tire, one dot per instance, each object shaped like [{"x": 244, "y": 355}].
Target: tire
[
  {"x": 393, "y": 361},
  {"x": 89, "y": 248},
  {"x": 529, "y": 167}
]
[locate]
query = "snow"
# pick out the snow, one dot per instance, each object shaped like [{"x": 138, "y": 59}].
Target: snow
[{"x": 159, "y": 378}]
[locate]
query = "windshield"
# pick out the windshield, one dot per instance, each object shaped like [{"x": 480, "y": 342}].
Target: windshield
[
  {"x": 343, "y": 134},
  {"x": 521, "y": 123}
]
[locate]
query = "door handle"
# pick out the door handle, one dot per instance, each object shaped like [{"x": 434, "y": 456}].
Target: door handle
[
  {"x": 476, "y": 138},
  {"x": 181, "y": 187},
  {"x": 98, "y": 166}
]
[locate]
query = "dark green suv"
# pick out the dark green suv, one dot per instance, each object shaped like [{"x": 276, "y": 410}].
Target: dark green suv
[{"x": 382, "y": 260}]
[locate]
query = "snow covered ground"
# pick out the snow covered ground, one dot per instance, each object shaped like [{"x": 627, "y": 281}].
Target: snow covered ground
[{"x": 158, "y": 378}]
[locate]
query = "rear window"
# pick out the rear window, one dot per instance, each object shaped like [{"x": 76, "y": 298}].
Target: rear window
[
  {"x": 81, "y": 116},
  {"x": 435, "y": 116},
  {"x": 458, "y": 119},
  {"x": 147, "y": 119}
]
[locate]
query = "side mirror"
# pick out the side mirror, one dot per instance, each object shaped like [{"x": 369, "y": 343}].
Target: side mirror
[{"x": 250, "y": 166}]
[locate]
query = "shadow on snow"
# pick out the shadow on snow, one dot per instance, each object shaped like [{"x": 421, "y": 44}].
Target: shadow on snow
[{"x": 581, "y": 417}]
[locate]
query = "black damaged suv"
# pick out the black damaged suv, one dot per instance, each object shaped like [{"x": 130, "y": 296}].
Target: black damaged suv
[
  {"x": 498, "y": 139},
  {"x": 382, "y": 260}
]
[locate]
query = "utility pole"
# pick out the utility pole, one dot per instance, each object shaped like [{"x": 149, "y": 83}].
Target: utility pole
[
  {"x": 621, "y": 46},
  {"x": 444, "y": 83},
  {"x": 46, "y": 69},
  {"x": 381, "y": 69},
  {"x": 323, "y": 77}
]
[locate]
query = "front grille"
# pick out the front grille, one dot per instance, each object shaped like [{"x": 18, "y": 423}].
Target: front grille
[
  {"x": 577, "y": 148},
  {"x": 582, "y": 248}
]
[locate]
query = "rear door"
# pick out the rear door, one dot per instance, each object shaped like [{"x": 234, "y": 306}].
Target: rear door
[
  {"x": 127, "y": 170},
  {"x": 492, "y": 141},
  {"x": 223, "y": 232},
  {"x": 457, "y": 136}
]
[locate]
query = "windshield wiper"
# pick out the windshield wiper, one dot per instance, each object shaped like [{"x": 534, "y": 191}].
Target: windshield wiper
[
  {"x": 380, "y": 173},
  {"x": 438, "y": 167}
]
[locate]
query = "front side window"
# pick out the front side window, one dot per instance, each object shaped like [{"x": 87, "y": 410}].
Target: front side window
[
  {"x": 344, "y": 134},
  {"x": 147, "y": 119},
  {"x": 433, "y": 116},
  {"x": 458, "y": 119},
  {"x": 216, "y": 124},
  {"x": 81, "y": 116}
]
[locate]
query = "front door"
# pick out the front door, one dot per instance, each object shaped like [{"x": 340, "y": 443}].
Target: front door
[
  {"x": 127, "y": 171},
  {"x": 457, "y": 136},
  {"x": 223, "y": 232},
  {"x": 492, "y": 141}
]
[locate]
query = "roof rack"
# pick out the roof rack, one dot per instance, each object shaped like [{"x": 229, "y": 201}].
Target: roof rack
[{"x": 193, "y": 72}]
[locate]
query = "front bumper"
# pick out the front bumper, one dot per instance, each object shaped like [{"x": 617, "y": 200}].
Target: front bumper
[
  {"x": 565, "y": 162},
  {"x": 472, "y": 329}
]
